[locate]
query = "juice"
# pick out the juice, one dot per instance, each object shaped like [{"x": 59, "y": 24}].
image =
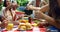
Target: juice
[
  {"x": 30, "y": 19},
  {"x": 9, "y": 26}
]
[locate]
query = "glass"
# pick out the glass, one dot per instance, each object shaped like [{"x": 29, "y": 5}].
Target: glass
[{"x": 9, "y": 26}]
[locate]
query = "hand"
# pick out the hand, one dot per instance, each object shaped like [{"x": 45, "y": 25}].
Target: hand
[
  {"x": 29, "y": 7},
  {"x": 8, "y": 7},
  {"x": 4, "y": 23}
]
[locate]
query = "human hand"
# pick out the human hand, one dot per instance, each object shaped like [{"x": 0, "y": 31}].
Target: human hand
[
  {"x": 5, "y": 23},
  {"x": 29, "y": 7}
]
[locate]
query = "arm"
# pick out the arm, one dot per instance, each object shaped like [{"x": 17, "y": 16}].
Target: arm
[
  {"x": 43, "y": 8},
  {"x": 8, "y": 7},
  {"x": 50, "y": 20}
]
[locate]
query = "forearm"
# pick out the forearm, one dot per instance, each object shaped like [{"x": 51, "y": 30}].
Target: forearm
[
  {"x": 43, "y": 8},
  {"x": 44, "y": 16},
  {"x": 31, "y": 7},
  {"x": 50, "y": 20},
  {"x": 35, "y": 8}
]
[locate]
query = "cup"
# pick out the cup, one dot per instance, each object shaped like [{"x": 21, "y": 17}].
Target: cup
[{"x": 9, "y": 26}]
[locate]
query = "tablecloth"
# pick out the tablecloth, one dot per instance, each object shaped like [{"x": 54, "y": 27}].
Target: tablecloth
[{"x": 35, "y": 29}]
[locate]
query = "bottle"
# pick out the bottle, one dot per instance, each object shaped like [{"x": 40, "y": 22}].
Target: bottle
[
  {"x": 9, "y": 26},
  {"x": 30, "y": 20}
]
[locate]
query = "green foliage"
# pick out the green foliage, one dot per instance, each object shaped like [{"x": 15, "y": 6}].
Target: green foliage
[
  {"x": 1, "y": 5},
  {"x": 22, "y": 2}
]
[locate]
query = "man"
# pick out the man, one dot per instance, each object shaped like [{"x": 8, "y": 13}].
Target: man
[
  {"x": 23, "y": 4},
  {"x": 37, "y": 5}
]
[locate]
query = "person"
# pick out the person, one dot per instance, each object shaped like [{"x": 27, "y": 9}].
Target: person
[
  {"x": 53, "y": 17},
  {"x": 9, "y": 12},
  {"x": 37, "y": 5},
  {"x": 14, "y": 10},
  {"x": 1, "y": 13},
  {"x": 4, "y": 19},
  {"x": 22, "y": 6}
]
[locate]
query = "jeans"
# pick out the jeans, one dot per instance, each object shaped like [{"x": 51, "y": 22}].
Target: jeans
[{"x": 21, "y": 8}]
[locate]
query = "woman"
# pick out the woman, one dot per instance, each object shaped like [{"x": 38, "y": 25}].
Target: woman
[
  {"x": 2, "y": 18},
  {"x": 14, "y": 11},
  {"x": 9, "y": 12},
  {"x": 54, "y": 14}
]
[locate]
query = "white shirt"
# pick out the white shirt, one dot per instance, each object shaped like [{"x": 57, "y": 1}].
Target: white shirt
[{"x": 8, "y": 15}]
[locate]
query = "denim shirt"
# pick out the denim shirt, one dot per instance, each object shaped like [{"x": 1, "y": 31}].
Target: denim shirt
[{"x": 54, "y": 28}]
